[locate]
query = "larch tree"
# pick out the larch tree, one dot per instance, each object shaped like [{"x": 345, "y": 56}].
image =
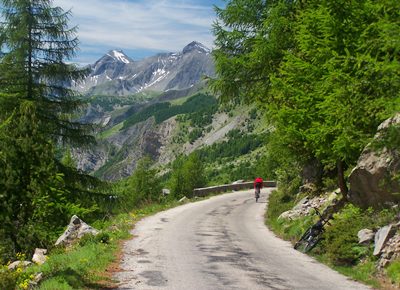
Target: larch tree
[
  {"x": 343, "y": 78},
  {"x": 327, "y": 72},
  {"x": 37, "y": 113}
]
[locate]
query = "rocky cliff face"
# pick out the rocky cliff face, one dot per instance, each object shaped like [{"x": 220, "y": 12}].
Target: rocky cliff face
[
  {"x": 375, "y": 180},
  {"x": 116, "y": 74},
  {"x": 116, "y": 156}
]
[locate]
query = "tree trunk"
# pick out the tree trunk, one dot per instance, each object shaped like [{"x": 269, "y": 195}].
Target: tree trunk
[{"x": 341, "y": 180}]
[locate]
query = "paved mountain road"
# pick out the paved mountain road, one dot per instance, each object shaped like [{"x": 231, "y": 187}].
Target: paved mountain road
[{"x": 219, "y": 243}]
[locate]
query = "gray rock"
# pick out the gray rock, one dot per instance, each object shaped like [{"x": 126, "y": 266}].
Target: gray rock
[
  {"x": 308, "y": 188},
  {"x": 287, "y": 215},
  {"x": 75, "y": 231},
  {"x": 38, "y": 277},
  {"x": 371, "y": 181},
  {"x": 238, "y": 181},
  {"x": 365, "y": 236},
  {"x": 381, "y": 237},
  {"x": 304, "y": 207},
  {"x": 166, "y": 191},
  {"x": 36, "y": 280},
  {"x": 39, "y": 257},
  {"x": 383, "y": 263},
  {"x": 301, "y": 203},
  {"x": 183, "y": 199},
  {"x": 17, "y": 264}
]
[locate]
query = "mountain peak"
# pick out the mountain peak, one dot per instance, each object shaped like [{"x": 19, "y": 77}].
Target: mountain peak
[
  {"x": 119, "y": 55},
  {"x": 194, "y": 45}
]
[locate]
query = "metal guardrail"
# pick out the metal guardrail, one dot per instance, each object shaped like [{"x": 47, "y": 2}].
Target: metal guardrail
[{"x": 200, "y": 192}]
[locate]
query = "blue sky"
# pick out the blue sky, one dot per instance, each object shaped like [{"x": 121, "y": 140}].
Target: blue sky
[{"x": 139, "y": 27}]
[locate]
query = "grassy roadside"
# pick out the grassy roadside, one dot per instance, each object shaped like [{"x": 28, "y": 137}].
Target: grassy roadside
[
  {"x": 339, "y": 250},
  {"x": 89, "y": 264}
]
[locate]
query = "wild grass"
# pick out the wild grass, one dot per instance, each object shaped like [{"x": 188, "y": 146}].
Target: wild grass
[
  {"x": 111, "y": 131},
  {"x": 393, "y": 272},
  {"x": 364, "y": 272},
  {"x": 363, "y": 267},
  {"x": 84, "y": 266}
]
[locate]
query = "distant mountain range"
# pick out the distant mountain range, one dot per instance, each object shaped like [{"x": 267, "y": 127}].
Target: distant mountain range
[
  {"x": 116, "y": 74},
  {"x": 157, "y": 107}
]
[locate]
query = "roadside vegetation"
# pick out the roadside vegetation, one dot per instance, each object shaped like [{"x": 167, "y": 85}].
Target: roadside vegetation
[
  {"x": 325, "y": 74},
  {"x": 339, "y": 248},
  {"x": 40, "y": 187},
  {"x": 88, "y": 264}
]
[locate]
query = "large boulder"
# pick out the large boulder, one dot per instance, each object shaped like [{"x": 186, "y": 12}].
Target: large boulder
[
  {"x": 39, "y": 257},
  {"x": 77, "y": 228},
  {"x": 381, "y": 238},
  {"x": 372, "y": 181}
]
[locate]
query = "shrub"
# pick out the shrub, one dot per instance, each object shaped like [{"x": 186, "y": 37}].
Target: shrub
[
  {"x": 393, "y": 272},
  {"x": 101, "y": 237},
  {"x": 8, "y": 279},
  {"x": 341, "y": 241}
]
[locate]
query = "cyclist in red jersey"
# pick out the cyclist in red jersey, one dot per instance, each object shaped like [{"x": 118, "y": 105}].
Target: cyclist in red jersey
[{"x": 258, "y": 184}]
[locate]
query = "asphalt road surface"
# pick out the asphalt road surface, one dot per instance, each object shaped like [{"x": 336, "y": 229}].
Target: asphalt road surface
[{"x": 219, "y": 243}]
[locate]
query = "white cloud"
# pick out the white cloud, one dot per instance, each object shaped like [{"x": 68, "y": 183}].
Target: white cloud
[{"x": 158, "y": 25}]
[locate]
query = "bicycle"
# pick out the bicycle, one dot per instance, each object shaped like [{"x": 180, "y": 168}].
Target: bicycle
[
  {"x": 312, "y": 235},
  {"x": 257, "y": 193}
]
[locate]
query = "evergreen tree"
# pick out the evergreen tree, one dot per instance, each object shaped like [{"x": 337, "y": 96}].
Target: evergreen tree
[
  {"x": 341, "y": 81},
  {"x": 251, "y": 39},
  {"x": 37, "y": 192},
  {"x": 187, "y": 174},
  {"x": 327, "y": 72},
  {"x": 35, "y": 43},
  {"x": 143, "y": 187}
]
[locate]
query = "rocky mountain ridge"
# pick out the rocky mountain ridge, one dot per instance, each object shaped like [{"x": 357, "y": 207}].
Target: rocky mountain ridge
[{"x": 117, "y": 74}]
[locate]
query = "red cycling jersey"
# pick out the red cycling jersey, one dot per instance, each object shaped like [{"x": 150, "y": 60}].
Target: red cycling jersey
[{"x": 259, "y": 181}]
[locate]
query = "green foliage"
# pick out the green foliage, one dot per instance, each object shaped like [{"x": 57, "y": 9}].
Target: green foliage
[
  {"x": 341, "y": 241},
  {"x": 108, "y": 103},
  {"x": 238, "y": 144},
  {"x": 8, "y": 279},
  {"x": 251, "y": 38},
  {"x": 393, "y": 272},
  {"x": 187, "y": 174},
  {"x": 365, "y": 271},
  {"x": 33, "y": 67},
  {"x": 162, "y": 111},
  {"x": 38, "y": 193},
  {"x": 195, "y": 134},
  {"x": 152, "y": 110},
  {"x": 324, "y": 88},
  {"x": 143, "y": 187},
  {"x": 279, "y": 202},
  {"x": 35, "y": 200},
  {"x": 102, "y": 237},
  {"x": 68, "y": 159},
  {"x": 326, "y": 72}
]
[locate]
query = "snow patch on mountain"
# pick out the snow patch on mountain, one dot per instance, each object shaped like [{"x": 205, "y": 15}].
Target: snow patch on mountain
[
  {"x": 119, "y": 55},
  {"x": 116, "y": 74}
]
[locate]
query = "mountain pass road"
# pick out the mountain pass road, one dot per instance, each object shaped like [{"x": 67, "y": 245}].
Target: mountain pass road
[{"x": 219, "y": 243}]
